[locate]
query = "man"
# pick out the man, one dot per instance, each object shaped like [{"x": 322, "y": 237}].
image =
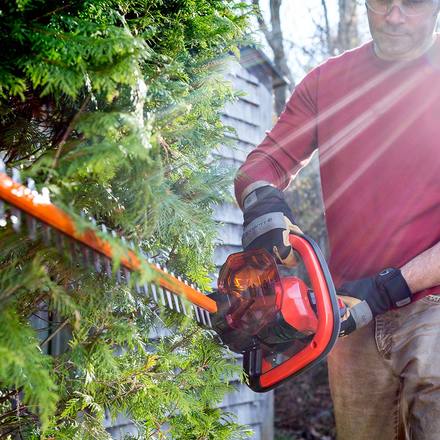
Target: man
[{"x": 373, "y": 113}]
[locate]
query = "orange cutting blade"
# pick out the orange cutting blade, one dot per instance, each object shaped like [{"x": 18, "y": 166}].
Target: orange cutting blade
[{"x": 39, "y": 207}]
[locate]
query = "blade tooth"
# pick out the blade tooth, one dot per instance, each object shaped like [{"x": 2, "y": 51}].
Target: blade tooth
[
  {"x": 169, "y": 299},
  {"x": 162, "y": 296},
  {"x": 176, "y": 302},
  {"x": 208, "y": 318},
  {"x": 45, "y": 195},
  {"x": 119, "y": 275},
  {"x": 138, "y": 288},
  {"x": 16, "y": 175},
  {"x": 2, "y": 214},
  {"x": 76, "y": 252},
  {"x": 31, "y": 223},
  {"x": 107, "y": 266},
  {"x": 71, "y": 245},
  {"x": 16, "y": 213},
  {"x": 85, "y": 254},
  {"x": 47, "y": 235},
  {"x": 165, "y": 269},
  {"x": 31, "y": 184},
  {"x": 202, "y": 316},
  {"x": 183, "y": 305},
  {"x": 146, "y": 289},
  {"x": 2, "y": 166},
  {"x": 104, "y": 229},
  {"x": 131, "y": 245},
  {"x": 196, "y": 312},
  {"x": 154, "y": 292},
  {"x": 127, "y": 274},
  {"x": 30, "y": 220},
  {"x": 97, "y": 262},
  {"x": 15, "y": 219},
  {"x": 59, "y": 241}
]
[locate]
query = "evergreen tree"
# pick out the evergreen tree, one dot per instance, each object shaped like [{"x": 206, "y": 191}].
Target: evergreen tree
[{"x": 114, "y": 105}]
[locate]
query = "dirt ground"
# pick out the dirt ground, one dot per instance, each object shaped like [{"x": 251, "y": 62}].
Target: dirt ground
[{"x": 303, "y": 408}]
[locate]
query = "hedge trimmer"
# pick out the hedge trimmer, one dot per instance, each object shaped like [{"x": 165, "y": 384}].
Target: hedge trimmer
[{"x": 279, "y": 324}]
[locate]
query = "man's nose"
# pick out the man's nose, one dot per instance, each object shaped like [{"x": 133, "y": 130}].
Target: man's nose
[{"x": 395, "y": 16}]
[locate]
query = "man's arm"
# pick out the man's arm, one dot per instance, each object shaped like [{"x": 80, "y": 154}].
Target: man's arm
[
  {"x": 423, "y": 271},
  {"x": 291, "y": 141},
  {"x": 268, "y": 169},
  {"x": 391, "y": 288}
]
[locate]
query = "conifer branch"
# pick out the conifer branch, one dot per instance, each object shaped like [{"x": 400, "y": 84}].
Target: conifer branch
[{"x": 106, "y": 168}]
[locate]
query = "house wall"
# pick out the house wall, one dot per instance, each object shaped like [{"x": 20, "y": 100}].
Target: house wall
[{"x": 251, "y": 116}]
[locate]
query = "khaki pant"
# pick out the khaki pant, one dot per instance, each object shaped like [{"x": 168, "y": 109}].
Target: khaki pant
[{"x": 385, "y": 378}]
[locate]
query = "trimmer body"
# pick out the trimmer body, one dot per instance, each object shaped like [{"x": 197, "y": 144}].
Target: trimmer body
[{"x": 281, "y": 324}]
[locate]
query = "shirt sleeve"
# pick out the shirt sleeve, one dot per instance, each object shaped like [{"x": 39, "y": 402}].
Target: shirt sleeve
[{"x": 288, "y": 145}]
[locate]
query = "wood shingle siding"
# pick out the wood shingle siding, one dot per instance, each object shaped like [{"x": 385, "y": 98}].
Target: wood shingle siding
[{"x": 251, "y": 116}]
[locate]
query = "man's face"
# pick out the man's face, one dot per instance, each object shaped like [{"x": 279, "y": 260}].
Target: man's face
[{"x": 400, "y": 37}]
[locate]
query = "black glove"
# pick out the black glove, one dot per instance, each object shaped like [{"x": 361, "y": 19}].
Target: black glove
[
  {"x": 267, "y": 222},
  {"x": 369, "y": 297}
]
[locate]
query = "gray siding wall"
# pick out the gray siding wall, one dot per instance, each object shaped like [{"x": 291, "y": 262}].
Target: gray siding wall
[{"x": 251, "y": 116}]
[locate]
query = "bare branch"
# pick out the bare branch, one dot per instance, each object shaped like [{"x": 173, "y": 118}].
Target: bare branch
[
  {"x": 262, "y": 24},
  {"x": 327, "y": 26},
  {"x": 52, "y": 335},
  {"x": 274, "y": 38},
  {"x": 348, "y": 36}
]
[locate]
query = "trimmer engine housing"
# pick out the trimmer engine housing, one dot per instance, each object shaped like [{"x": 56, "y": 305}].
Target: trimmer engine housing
[{"x": 281, "y": 325}]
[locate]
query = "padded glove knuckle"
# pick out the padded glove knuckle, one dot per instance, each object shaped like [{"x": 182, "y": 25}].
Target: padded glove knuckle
[
  {"x": 265, "y": 212},
  {"x": 378, "y": 294}
]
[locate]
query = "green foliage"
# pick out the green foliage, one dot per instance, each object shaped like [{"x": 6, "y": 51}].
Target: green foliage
[
  {"x": 27, "y": 363},
  {"x": 115, "y": 106}
]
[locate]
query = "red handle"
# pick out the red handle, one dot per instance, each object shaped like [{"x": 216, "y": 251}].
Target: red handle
[{"x": 263, "y": 376}]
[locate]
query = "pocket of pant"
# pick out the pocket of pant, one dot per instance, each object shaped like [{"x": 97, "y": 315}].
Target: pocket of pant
[{"x": 431, "y": 299}]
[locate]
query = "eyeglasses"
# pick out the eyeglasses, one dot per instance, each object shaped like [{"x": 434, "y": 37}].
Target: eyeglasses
[{"x": 408, "y": 7}]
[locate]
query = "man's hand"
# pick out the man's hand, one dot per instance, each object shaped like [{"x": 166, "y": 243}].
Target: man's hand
[
  {"x": 267, "y": 223},
  {"x": 369, "y": 297}
]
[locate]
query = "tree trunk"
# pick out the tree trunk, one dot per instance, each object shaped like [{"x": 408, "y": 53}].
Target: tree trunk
[
  {"x": 348, "y": 35},
  {"x": 280, "y": 59},
  {"x": 274, "y": 37}
]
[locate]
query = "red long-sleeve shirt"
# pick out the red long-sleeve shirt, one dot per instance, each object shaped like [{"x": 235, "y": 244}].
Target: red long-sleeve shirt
[{"x": 376, "y": 125}]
